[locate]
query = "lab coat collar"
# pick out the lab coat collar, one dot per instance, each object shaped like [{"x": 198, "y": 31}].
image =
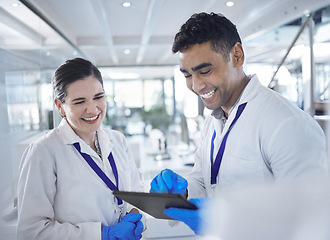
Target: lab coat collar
[
  {"x": 218, "y": 113},
  {"x": 70, "y": 137},
  {"x": 105, "y": 142},
  {"x": 247, "y": 94},
  {"x": 250, "y": 90}
]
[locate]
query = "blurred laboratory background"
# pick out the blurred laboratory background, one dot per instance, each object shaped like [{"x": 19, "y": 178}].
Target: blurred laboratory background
[{"x": 286, "y": 42}]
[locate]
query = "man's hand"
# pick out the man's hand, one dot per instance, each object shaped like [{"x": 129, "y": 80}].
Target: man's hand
[
  {"x": 193, "y": 218},
  {"x": 168, "y": 181}
]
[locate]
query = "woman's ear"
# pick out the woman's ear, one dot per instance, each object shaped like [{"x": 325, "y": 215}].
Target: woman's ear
[
  {"x": 59, "y": 106},
  {"x": 238, "y": 55}
]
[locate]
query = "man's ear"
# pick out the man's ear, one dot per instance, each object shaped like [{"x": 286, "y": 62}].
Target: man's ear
[
  {"x": 237, "y": 55},
  {"x": 59, "y": 107}
]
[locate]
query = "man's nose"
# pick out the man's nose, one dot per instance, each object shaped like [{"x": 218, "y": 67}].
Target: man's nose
[{"x": 197, "y": 84}]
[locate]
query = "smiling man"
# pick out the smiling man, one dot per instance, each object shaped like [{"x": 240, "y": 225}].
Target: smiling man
[{"x": 253, "y": 134}]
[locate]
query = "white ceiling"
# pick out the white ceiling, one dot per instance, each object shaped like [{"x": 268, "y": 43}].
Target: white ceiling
[{"x": 101, "y": 30}]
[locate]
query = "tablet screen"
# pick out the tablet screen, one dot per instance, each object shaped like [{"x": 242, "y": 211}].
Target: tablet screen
[{"x": 155, "y": 203}]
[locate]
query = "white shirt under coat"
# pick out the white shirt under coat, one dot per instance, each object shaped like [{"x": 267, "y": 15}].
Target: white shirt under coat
[
  {"x": 272, "y": 140},
  {"x": 59, "y": 194}
]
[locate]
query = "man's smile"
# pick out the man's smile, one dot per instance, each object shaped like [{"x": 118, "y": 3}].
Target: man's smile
[{"x": 208, "y": 95}]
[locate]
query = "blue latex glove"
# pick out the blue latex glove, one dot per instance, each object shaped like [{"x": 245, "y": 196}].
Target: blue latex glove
[
  {"x": 130, "y": 227},
  {"x": 193, "y": 218},
  {"x": 168, "y": 181}
]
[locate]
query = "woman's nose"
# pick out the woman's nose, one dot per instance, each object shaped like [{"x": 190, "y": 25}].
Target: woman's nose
[{"x": 91, "y": 107}]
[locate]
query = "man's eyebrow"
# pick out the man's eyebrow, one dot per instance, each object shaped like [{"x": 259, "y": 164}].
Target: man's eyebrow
[
  {"x": 201, "y": 66},
  {"x": 183, "y": 70}
]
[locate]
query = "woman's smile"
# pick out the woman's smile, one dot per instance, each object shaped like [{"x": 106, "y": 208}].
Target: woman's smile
[{"x": 90, "y": 119}]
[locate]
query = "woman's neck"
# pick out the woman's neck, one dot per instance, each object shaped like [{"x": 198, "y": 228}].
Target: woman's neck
[{"x": 89, "y": 138}]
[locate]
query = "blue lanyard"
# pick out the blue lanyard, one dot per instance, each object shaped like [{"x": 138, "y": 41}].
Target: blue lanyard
[
  {"x": 216, "y": 165},
  {"x": 99, "y": 172}
]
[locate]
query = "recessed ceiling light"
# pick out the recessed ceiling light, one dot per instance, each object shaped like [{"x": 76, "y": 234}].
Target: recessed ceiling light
[
  {"x": 230, "y": 4},
  {"x": 15, "y": 4},
  {"x": 126, "y": 4},
  {"x": 127, "y": 51}
]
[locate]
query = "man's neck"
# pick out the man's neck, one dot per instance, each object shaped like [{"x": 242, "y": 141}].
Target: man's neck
[{"x": 236, "y": 96}]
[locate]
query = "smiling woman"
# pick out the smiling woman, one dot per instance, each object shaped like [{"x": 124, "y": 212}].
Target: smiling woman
[
  {"x": 60, "y": 173},
  {"x": 84, "y": 108}
]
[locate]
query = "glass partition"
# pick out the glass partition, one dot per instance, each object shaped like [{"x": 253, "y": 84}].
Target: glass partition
[{"x": 134, "y": 106}]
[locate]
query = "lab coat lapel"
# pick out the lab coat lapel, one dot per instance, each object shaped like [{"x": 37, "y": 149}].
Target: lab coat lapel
[
  {"x": 221, "y": 129},
  {"x": 218, "y": 127},
  {"x": 248, "y": 93},
  {"x": 106, "y": 146},
  {"x": 250, "y": 90},
  {"x": 85, "y": 148},
  {"x": 70, "y": 137}
]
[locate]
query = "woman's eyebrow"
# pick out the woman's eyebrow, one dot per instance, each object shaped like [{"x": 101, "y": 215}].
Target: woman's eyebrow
[
  {"x": 78, "y": 99},
  {"x": 98, "y": 94},
  {"x": 82, "y": 99}
]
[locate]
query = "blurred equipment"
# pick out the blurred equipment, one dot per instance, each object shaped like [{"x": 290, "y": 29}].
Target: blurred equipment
[{"x": 159, "y": 145}]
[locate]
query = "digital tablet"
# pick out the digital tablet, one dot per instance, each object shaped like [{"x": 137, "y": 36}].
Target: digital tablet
[{"x": 155, "y": 203}]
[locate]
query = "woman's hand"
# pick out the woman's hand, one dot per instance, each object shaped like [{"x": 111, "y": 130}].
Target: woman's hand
[
  {"x": 130, "y": 227},
  {"x": 134, "y": 210}
]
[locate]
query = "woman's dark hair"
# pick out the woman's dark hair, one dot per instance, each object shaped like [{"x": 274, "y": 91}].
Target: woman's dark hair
[
  {"x": 71, "y": 71},
  {"x": 204, "y": 27}
]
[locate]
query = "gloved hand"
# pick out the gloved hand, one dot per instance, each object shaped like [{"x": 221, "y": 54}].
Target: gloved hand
[
  {"x": 193, "y": 218},
  {"x": 169, "y": 182},
  {"x": 130, "y": 227}
]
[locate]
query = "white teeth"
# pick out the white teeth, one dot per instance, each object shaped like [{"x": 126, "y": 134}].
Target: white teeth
[
  {"x": 208, "y": 95},
  {"x": 90, "y": 119}
]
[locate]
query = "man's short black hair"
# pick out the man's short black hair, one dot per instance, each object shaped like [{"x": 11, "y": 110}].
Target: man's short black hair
[{"x": 204, "y": 27}]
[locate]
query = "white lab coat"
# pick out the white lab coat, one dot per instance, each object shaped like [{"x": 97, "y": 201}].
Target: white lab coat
[
  {"x": 272, "y": 140},
  {"x": 59, "y": 194}
]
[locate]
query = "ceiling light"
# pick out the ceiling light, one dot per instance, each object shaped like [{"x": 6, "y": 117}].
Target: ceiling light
[
  {"x": 127, "y": 51},
  {"x": 126, "y": 4},
  {"x": 15, "y": 4},
  {"x": 230, "y": 4}
]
